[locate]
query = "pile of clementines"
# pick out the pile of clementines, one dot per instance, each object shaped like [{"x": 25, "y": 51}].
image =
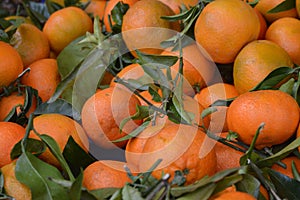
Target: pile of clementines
[{"x": 131, "y": 100}]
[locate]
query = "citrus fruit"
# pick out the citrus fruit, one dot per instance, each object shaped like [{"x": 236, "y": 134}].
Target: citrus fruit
[
  {"x": 31, "y": 43},
  {"x": 264, "y": 6},
  {"x": 43, "y": 76},
  {"x": 10, "y": 134},
  {"x": 7, "y": 103},
  {"x": 142, "y": 23},
  {"x": 12, "y": 186},
  {"x": 255, "y": 61},
  {"x": 60, "y": 128},
  {"x": 109, "y": 7},
  {"x": 233, "y": 195},
  {"x": 286, "y": 33},
  {"x": 298, "y": 7},
  {"x": 177, "y": 5},
  {"x": 181, "y": 147},
  {"x": 11, "y": 64},
  {"x": 105, "y": 174},
  {"x": 263, "y": 25},
  {"x": 65, "y": 25},
  {"x": 103, "y": 112},
  {"x": 224, "y": 27},
  {"x": 96, "y": 8},
  {"x": 276, "y": 109},
  {"x": 198, "y": 69},
  {"x": 288, "y": 162},
  {"x": 227, "y": 157},
  {"x": 207, "y": 96}
]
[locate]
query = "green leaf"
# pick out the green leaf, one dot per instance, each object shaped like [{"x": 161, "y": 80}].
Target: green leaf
[
  {"x": 225, "y": 102},
  {"x": 227, "y": 182},
  {"x": 55, "y": 150},
  {"x": 129, "y": 193},
  {"x": 269, "y": 161},
  {"x": 283, "y": 6},
  {"x": 76, "y": 157},
  {"x": 295, "y": 171},
  {"x": 286, "y": 187},
  {"x": 75, "y": 191},
  {"x": 185, "y": 117},
  {"x": 60, "y": 106},
  {"x": 160, "y": 61},
  {"x": 118, "y": 11},
  {"x": 249, "y": 184},
  {"x": 296, "y": 91},
  {"x": 179, "y": 178},
  {"x": 134, "y": 133},
  {"x": 104, "y": 193},
  {"x": 4, "y": 36},
  {"x": 274, "y": 78},
  {"x": 208, "y": 111},
  {"x": 35, "y": 173},
  {"x": 71, "y": 57},
  {"x": 204, "y": 192},
  {"x": 288, "y": 86},
  {"x": 33, "y": 146}
]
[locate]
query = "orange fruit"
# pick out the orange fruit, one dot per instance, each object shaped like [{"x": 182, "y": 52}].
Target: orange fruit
[
  {"x": 198, "y": 69},
  {"x": 142, "y": 23},
  {"x": 31, "y": 43},
  {"x": 263, "y": 25},
  {"x": 233, "y": 195},
  {"x": 103, "y": 112},
  {"x": 43, "y": 76},
  {"x": 224, "y": 27},
  {"x": 11, "y": 64},
  {"x": 7, "y": 103},
  {"x": 65, "y": 25},
  {"x": 298, "y": 7},
  {"x": 12, "y": 186},
  {"x": 264, "y": 6},
  {"x": 105, "y": 174},
  {"x": 288, "y": 162},
  {"x": 286, "y": 33},
  {"x": 278, "y": 110},
  {"x": 10, "y": 134},
  {"x": 210, "y": 94},
  {"x": 60, "y": 128},
  {"x": 181, "y": 148},
  {"x": 227, "y": 157},
  {"x": 255, "y": 61},
  {"x": 176, "y": 5},
  {"x": 146, "y": 94},
  {"x": 109, "y": 7},
  {"x": 96, "y": 8}
]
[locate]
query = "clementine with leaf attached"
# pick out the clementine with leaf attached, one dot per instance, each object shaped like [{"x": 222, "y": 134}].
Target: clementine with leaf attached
[
  {"x": 31, "y": 43},
  {"x": 15, "y": 99},
  {"x": 12, "y": 186},
  {"x": 10, "y": 134},
  {"x": 142, "y": 24},
  {"x": 60, "y": 128},
  {"x": 276, "y": 109},
  {"x": 255, "y": 61},
  {"x": 11, "y": 64},
  {"x": 65, "y": 25},
  {"x": 224, "y": 27},
  {"x": 103, "y": 112},
  {"x": 43, "y": 76},
  {"x": 182, "y": 148},
  {"x": 286, "y": 33},
  {"x": 105, "y": 174}
]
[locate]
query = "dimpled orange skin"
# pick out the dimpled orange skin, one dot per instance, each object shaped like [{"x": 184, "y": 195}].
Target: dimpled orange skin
[
  {"x": 224, "y": 27},
  {"x": 286, "y": 33},
  {"x": 103, "y": 112},
  {"x": 278, "y": 110},
  {"x": 105, "y": 174},
  {"x": 10, "y": 134},
  {"x": 11, "y": 64},
  {"x": 65, "y": 25},
  {"x": 181, "y": 147}
]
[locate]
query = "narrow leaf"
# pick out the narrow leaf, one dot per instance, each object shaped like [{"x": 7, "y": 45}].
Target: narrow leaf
[
  {"x": 203, "y": 192},
  {"x": 33, "y": 146},
  {"x": 129, "y": 193},
  {"x": 283, "y": 6},
  {"x": 249, "y": 184},
  {"x": 134, "y": 133},
  {"x": 75, "y": 191}
]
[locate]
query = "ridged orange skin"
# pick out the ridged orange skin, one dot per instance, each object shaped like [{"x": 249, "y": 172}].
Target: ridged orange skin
[
  {"x": 105, "y": 174},
  {"x": 224, "y": 27},
  {"x": 11, "y": 64},
  {"x": 286, "y": 33},
  {"x": 10, "y": 134},
  {"x": 276, "y": 109}
]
